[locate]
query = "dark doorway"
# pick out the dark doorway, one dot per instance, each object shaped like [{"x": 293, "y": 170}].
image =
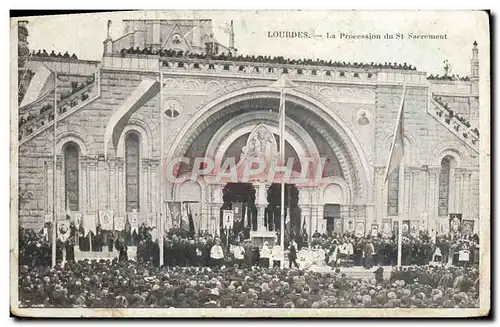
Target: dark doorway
[
  {"x": 243, "y": 195},
  {"x": 331, "y": 212},
  {"x": 273, "y": 210}
]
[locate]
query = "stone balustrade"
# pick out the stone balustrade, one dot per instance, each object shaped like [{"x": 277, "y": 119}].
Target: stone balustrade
[
  {"x": 183, "y": 65},
  {"x": 41, "y": 113},
  {"x": 455, "y": 124}
]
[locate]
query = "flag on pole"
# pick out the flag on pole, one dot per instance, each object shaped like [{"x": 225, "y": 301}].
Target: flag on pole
[
  {"x": 397, "y": 146},
  {"x": 304, "y": 227}
]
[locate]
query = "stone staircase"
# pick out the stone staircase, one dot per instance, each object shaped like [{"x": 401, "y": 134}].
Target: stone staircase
[{"x": 463, "y": 132}]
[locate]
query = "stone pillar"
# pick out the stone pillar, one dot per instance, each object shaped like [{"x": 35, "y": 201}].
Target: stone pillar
[
  {"x": 84, "y": 195},
  {"x": 458, "y": 208},
  {"x": 60, "y": 189},
  {"x": 416, "y": 207},
  {"x": 102, "y": 184},
  {"x": 407, "y": 194},
  {"x": 120, "y": 164},
  {"x": 433, "y": 192},
  {"x": 216, "y": 207},
  {"x": 113, "y": 204},
  {"x": 154, "y": 191},
  {"x": 261, "y": 203},
  {"x": 378, "y": 196},
  {"x": 143, "y": 187},
  {"x": 466, "y": 193}
]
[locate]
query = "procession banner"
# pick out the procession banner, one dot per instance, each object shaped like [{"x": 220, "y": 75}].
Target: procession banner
[
  {"x": 337, "y": 225},
  {"x": 174, "y": 213},
  {"x": 414, "y": 227},
  {"x": 78, "y": 218},
  {"x": 150, "y": 220},
  {"x": 106, "y": 219},
  {"x": 386, "y": 227},
  {"x": 467, "y": 227},
  {"x": 360, "y": 229},
  {"x": 349, "y": 225},
  {"x": 195, "y": 209},
  {"x": 89, "y": 223},
  {"x": 133, "y": 219},
  {"x": 227, "y": 219},
  {"x": 455, "y": 223},
  {"x": 406, "y": 227},
  {"x": 119, "y": 223},
  {"x": 424, "y": 221},
  {"x": 374, "y": 230},
  {"x": 63, "y": 231},
  {"x": 151, "y": 225}
]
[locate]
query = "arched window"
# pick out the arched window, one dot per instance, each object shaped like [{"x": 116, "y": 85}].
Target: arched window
[
  {"x": 132, "y": 159},
  {"x": 444, "y": 186},
  {"x": 393, "y": 193},
  {"x": 71, "y": 172}
]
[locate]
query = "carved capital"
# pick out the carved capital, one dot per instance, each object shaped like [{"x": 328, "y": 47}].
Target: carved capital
[
  {"x": 120, "y": 163},
  {"x": 434, "y": 171},
  {"x": 59, "y": 162}
]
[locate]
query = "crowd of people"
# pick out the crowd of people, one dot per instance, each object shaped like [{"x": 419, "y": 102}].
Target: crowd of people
[
  {"x": 44, "y": 53},
  {"x": 263, "y": 59},
  {"x": 127, "y": 284},
  {"x": 452, "y": 114},
  {"x": 447, "y": 77}
]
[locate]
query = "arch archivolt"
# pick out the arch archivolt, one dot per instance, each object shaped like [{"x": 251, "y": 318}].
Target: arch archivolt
[
  {"x": 295, "y": 135},
  {"x": 350, "y": 152}
]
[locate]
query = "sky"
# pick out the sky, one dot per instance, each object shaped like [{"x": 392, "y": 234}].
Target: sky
[{"x": 84, "y": 34}]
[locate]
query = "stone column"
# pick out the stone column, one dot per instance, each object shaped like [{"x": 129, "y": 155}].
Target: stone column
[
  {"x": 113, "y": 204},
  {"x": 261, "y": 203},
  {"x": 102, "y": 184},
  {"x": 458, "y": 208},
  {"x": 60, "y": 189},
  {"x": 154, "y": 191},
  {"x": 378, "y": 196},
  {"x": 433, "y": 192},
  {"x": 407, "y": 195},
  {"x": 416, "y": 207},
  {"x": 120, "y": 164},
  {"x": 216, "y": 207},
  {"x": 143, "y": 184},
  {"x": 84, "y": 195},
  {"x": 466, "y": 193}
]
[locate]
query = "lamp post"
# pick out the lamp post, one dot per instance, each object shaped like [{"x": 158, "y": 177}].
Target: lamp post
[{"x": 283, "y": 83}]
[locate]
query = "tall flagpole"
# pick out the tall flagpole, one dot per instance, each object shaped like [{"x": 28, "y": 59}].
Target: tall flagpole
[
  {"x": 161, "y": 181},
  {"x": 400, "y": 224},
  {"x": 54, "y": 169},
  {"x": 282, "y": 158}
]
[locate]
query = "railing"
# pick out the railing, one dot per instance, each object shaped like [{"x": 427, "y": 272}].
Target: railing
[
  {"x": 30, "y": 126},
  {"x": 455, "y": 123}
]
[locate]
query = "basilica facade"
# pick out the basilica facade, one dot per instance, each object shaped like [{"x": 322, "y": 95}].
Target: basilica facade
[{"x": 120, "y": 122}]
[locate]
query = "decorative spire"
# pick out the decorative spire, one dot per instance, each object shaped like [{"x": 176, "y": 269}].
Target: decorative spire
[
  {"x": 231, "y": 36},
  {"x": 447, "y": 67},
  {"x": 109, "y": 27}
]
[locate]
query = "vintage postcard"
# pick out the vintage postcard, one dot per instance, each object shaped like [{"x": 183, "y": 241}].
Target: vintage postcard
[{"x": 250, "y": 163}]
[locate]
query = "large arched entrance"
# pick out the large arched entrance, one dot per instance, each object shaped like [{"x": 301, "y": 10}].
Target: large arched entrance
[{"x": 223, "y": 129}]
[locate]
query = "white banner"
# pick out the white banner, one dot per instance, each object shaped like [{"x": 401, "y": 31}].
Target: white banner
[
  {"x": 227, "y": 219},
  {"x": 133, "y": 218},
  {"x": 63, "y": 231},
  {"x": 106, "y": 219},
  {"x": 78, "y": 218},
  {"x": 89, "y": 224},
  {"x": 119, "y": 223}
]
